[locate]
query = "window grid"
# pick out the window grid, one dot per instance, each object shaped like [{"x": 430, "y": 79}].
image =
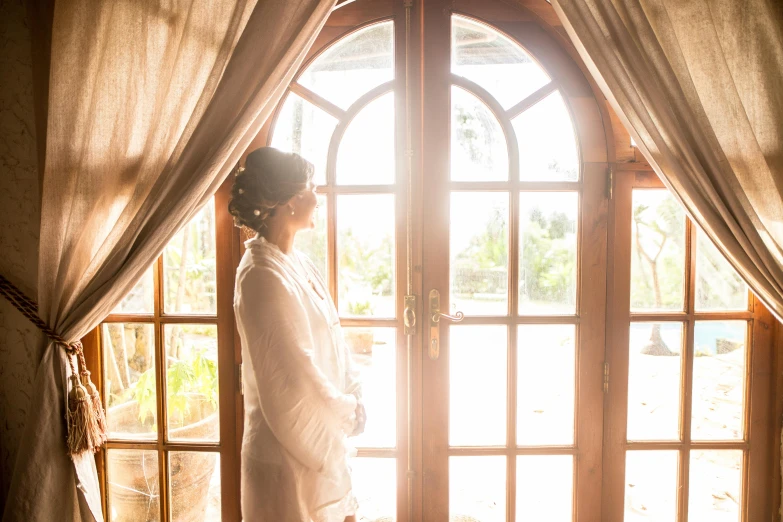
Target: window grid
[
  {"x": 160, "y": 444},
  {"x": 514, "y": 186},
  {"x": 688, "y": 318}
]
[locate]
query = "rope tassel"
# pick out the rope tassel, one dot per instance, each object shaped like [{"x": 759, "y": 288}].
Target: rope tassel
[
  {"x": 85, "y": 418},
  {"x": 80, "y": 418}
]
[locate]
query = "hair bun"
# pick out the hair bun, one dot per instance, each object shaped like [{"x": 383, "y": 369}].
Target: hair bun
[{"x": 270, "y": 178}]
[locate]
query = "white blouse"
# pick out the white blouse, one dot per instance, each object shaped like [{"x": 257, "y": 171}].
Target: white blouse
[{"x": 300, "y": 384}]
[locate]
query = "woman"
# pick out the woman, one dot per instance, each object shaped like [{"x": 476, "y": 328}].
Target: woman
[{"x": 301, "y": 390}]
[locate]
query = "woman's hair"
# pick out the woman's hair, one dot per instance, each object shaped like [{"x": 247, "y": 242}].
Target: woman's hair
[{"x": 269, "y": 179}]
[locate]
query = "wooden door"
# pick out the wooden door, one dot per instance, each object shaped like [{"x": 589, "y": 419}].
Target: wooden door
[{"x": 514, "y": 234}]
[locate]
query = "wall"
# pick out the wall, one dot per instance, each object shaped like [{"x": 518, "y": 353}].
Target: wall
[{"x": 20, "y": 212}]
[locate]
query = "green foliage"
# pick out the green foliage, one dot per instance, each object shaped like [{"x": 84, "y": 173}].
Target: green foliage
[
  {"x": 313, "y": 242},
  {"x": 467, "y": 134},
  {"x": 144, "y": 393},
  {"x": 371, "y": 265},
  {"x": 196, "y": 375},
  {"x": 481, "y": 267},
  {"x": 471, "y": 126},
  {"x": 490, "y": 249},
  {"x": 365, "y": 267},
  {"x": 548, "y": 258},
  {"x": 360, "y": 308},
  {"x": 196, "y": 264}
]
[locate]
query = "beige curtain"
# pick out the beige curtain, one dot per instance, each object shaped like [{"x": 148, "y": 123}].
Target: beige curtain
[
  {"x": 699, "y": 85},
  {"x": 151, "y": 104}
]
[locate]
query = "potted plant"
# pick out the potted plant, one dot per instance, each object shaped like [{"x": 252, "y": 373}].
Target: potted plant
[{"x": 191, "y": 386}]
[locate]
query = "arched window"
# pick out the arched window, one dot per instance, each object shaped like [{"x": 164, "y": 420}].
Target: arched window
[{"x": 580, "y": 352}]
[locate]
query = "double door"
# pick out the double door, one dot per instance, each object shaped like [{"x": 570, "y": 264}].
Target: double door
[{"x": 462, "y": 226}]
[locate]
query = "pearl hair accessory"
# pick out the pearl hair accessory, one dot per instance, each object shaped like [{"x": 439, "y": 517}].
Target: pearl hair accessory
[
  {"x": 241, "y": 191},
  {"x": 257, "y": 212}
]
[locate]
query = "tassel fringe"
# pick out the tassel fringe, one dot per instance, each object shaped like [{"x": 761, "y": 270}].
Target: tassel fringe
[
  {"x": 86, "y": 420},
  {"x": 81, "y": 419}
]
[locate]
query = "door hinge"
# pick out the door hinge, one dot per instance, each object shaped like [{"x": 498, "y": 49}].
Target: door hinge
[
  {"x": 240, "y": 382},
  {"x": 606, "y": 377},
  {"x": 609, "y": 181}
]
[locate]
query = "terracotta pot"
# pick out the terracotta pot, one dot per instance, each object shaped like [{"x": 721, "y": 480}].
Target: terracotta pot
[
  {"x": 359, "y": 339},
  {"x": 133, "y": 475}
]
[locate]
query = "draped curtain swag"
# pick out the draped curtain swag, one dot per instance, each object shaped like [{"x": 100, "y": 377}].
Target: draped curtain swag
[
  {"x": 697, "y": 83},
  {"x": 151, "y": 104}
]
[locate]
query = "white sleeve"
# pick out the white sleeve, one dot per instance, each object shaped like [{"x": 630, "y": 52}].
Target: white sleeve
[
  {"x": 306, "y": 413},
  {"x": 353, "y": 382}
]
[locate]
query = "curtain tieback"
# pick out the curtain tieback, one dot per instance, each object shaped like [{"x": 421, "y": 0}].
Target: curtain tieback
[{"x": 86, "y": 419}]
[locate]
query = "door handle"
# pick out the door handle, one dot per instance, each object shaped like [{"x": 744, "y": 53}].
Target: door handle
[{"x": 435, "y": 316}]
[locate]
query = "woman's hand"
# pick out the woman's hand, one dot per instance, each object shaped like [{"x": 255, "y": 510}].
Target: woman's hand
[{"x": 361, "y": 420}]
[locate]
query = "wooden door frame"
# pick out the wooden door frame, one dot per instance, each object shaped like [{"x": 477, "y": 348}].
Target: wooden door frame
[
  {"x": 761, "y": 468},
  {"x": 587, "y": 114}
]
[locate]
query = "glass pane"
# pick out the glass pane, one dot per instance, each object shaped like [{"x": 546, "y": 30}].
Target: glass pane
[
  {"x": 366, "y": 153},
  {"x": 375, "y": 487},
  {"x": 545, "y": 384},
  {"x": 477, "y": 377},
  {"x": 657, "y": 252},
  {"x": 353, "y": 65},
  {"x": 547, "y": 253},
  {"x": 192, "y": 381},
  {"x": 545, "y": 488},
  {"x": 312, "y": 242},
  {"x": 495, "y": 62},
  {"x": 478, "y": 145},
  {"x": 303, "y": 128},
  {"x": 365, "y": 255},
  {"x": 374, "y": 354},
  {"x": 547, "y": 143},
  {"x": 190, "y": 283},
  {"x": 718, "y": 380},
  {"x": 141, "y": 299},
  {"x": 129, "y": 380},
  {"x": 194, "y": 482},
  {"x": 479, "y": 253},
  {"x": 654, "y": 385},
  {"x": 718, "y": 285},
  {"x": 477, "y": 489},
  {"x": 715, "y": 485},
  {"x": 134, "y": 486},
  {"x": 651, "y": 486}
]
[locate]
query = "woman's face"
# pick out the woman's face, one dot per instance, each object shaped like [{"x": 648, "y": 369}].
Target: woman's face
[{"x": 304, "y": 205}]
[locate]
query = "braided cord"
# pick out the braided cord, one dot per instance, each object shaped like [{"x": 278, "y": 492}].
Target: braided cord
[{"x": 29, "y": 309}]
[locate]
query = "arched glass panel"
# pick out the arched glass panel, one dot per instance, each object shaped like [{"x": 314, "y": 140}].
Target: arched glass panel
[
  {"x": 353, "y": 65},
  {"x": 490, "y": 59},
  {"x": 303, "y": 128},
  {"x": 478, "y": 145},
  {"x": 366, "y": 153},
  {"x": 547, "y": 145}
]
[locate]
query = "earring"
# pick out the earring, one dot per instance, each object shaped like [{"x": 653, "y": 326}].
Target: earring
[{"x": 292, "y": 211}]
